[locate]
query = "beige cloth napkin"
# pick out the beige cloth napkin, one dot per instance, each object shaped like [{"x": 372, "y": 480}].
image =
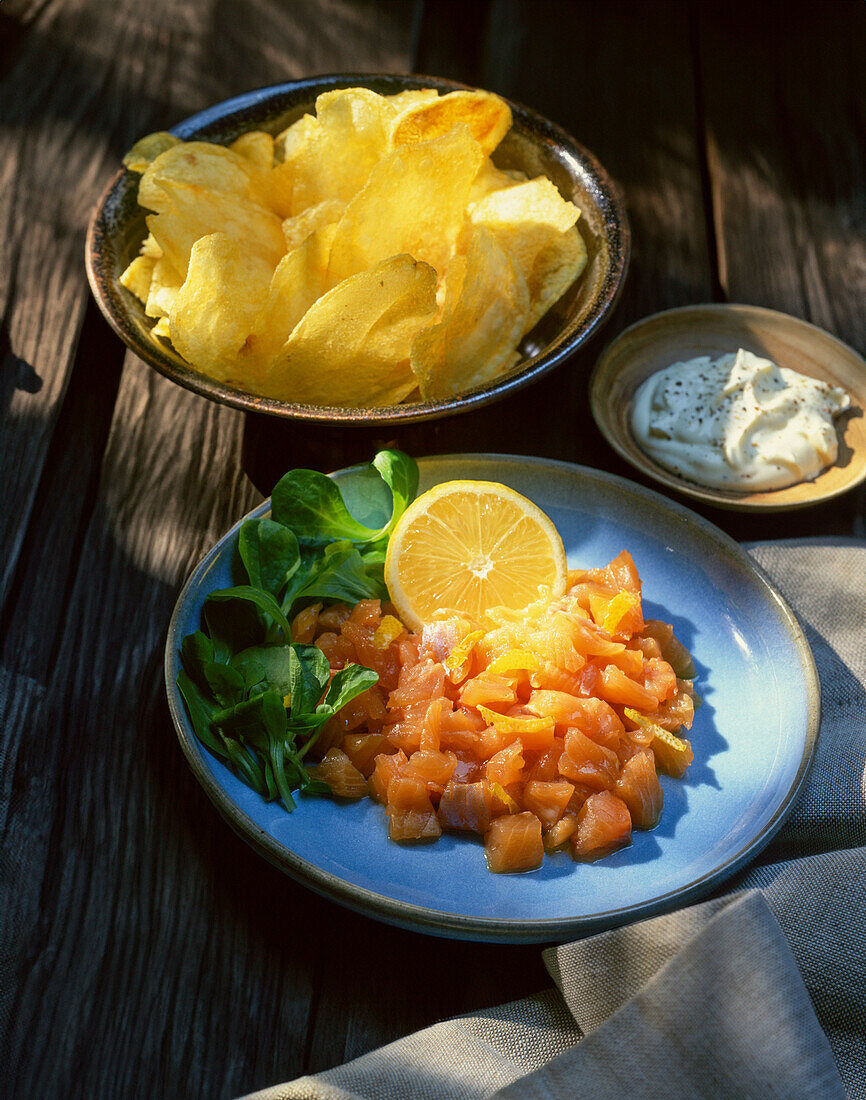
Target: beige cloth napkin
[{"x": 760, "y": 992}]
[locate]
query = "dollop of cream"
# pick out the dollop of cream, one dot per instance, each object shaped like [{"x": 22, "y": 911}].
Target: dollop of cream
[{"x": 738, "y": 422}]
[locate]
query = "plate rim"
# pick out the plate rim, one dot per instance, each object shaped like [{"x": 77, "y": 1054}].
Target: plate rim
[
  {"x": 705, "y": 494},
  {"x": 608, "y": 199},
  {"x": 461, "y": 926}
]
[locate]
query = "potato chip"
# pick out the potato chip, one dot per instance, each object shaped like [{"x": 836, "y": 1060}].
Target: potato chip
[
  {"x": 489, "y": 179},
  {"x": 352, "y": 346},
  {"x": 414, "y": 202},
  {"x": 288, "y": 141},
  {"x": 297, "y": 229},
  {"x": 165, "y": 282},
  {"x": 529, "y": 220},
  {"x": 147, "y": 149},
  {"x": 556, "y": 267},
  {"x": 410, "y": 98},
  {"x": 198, "y": 163},
  {"x": 297, "y": 282},
  {"x": 137, "y": 277},
  {"x": 217, "y": 305},
  {"x": 162, "y": 328},
  {"x": 333, "y": 158},
  {"x": 150, "y": 247},
  {"x": 487, "y": 116},
  {"x": 191, "y": 212},
  {"x": 257, "y": 147},
  {"x": 196, "y": 189},
  {"x": 484, "y": 316}
]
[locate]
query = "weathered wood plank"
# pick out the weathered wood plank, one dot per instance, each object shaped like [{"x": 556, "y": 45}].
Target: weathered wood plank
[
  {"x": 152, "y": 954},
  {"x": 785, "y": 111},
  {"x": 61, "y": 104},
  {"x": 149, "y": 951}
]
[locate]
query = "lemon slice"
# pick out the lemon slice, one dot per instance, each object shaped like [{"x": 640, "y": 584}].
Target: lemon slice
[{"x": 470, "y": 547}]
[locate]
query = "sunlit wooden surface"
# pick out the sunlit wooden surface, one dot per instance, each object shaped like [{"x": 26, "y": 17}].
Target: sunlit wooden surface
[{"x": 146, "y": 951}]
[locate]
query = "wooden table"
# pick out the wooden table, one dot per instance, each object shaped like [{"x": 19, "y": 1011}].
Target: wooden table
[{"x": 146, "y": 950}]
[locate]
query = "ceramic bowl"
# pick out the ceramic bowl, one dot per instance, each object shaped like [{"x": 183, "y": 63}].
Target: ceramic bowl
[
  {"x": 677, "y": 335},
  {"x": 534, "y": 145}
]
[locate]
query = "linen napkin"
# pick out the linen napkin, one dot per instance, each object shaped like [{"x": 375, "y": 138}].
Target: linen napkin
[{"x": 759, "y": 992}]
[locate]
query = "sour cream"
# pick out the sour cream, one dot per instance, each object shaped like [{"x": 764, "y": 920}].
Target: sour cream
[{"x": 737, "y": 422}]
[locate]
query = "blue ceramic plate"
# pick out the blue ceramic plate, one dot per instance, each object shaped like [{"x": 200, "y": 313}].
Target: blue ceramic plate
[{"x": 753, "y": 738}]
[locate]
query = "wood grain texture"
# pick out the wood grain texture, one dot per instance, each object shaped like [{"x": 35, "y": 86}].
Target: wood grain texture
[
  {"x": 783, "y": 93},
  {"x": 144, "y": 949},
  {"x": 148, "y": 952}
]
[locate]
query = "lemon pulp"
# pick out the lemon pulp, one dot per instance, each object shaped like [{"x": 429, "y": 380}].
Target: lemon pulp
[{"x": 472, "y": 547}]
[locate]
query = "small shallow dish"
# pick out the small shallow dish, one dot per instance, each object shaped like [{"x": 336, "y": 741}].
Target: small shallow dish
[
  {"x": 534, "y": 145},
  {"x": 753, "y": 737},
  {"x": 677, "y": 335}
]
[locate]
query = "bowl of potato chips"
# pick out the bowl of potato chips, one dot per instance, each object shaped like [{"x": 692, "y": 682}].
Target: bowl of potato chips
[{"x": 358, "y": 248}]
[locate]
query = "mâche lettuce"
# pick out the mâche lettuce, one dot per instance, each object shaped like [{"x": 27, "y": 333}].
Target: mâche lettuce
[{"x": 257, "y": 699}]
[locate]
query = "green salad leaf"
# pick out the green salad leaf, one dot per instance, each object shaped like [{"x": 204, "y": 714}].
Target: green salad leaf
[
  {"x": 256, "y": 699},
  {"x": 270, "y": 554}
]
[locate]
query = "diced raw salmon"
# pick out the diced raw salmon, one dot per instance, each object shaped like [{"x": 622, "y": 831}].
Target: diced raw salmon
[
  {"x": 434, "y": 768},
  {"x": 581, "y": 748},
  {"x": 673, "y": 754},
  {"x": 672, "y": 650},
  {"x": 410, "y": 812},
  {"x": 385, "y": 768},
  {"x": 514, "y": 843},
  {"x": 561, "y": 832},
  {"x": 333, "y": 616},
  {"x": 547, "y": 800},
  {"x": 363, "y": 748},
  {"x": 649, "y": 647},
  {"x": 603, "y": 825},
  {"x": 630, "y": 661},
  {"x": 543, "y": 726},
  {"x": 505, "y": 766},
  {"x": 587, "y": 773},
  {"x": 366, "y": 709},
  {"x": 659, "y": 679},
  {"x": 338, "y": 650},
  {"x": 304, "y": 624},
  {"x": 420, "y": 683},
  {"x": 487, "y": 690},
  {"x": 466, "y": 768},
  {"x": 622, "y": 573},
  {"x": 549, "y": 676},
  {"x": 582, "y": 791},
  {"x": 616, "y": 687},
  {"x": 639, "y": 788},
  {"x": 593, "y": 717},
  {"x": 341, "y": 775},
  {"x": 544, "y": 769},
  {"x": 676, "y": 713},
  {"x": 408, "y": 730},
  {"x": 467, "y": 807},
  {"x": 432, "y": 726}
]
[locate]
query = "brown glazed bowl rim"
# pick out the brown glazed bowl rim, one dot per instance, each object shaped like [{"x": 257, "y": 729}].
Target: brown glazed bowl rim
[{"x": 282, "y": 102}]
